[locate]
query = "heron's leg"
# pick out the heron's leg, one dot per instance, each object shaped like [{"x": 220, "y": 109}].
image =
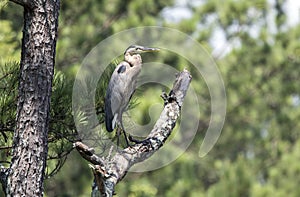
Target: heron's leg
[
  {"x": 118, "y": 136},
  {"x": 124, "y": 132},
  {"x": 126, "y": 139}
]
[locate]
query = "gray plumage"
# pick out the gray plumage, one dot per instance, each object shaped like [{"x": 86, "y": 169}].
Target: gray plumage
[{"x": 122, "y": 85}]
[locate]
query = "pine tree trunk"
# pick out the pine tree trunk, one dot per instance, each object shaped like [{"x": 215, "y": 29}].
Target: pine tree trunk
[{"x": 36, "y": 72}]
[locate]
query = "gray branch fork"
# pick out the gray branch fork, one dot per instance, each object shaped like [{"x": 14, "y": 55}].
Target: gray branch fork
[{"x": 108, "y": 172}]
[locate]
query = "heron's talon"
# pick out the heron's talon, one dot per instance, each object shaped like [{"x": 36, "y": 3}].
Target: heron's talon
[
  {"x": 165, "y": 97},
  {"x": 169, "y": 98},
  {"x": 145, "y": 142},
  {"x": 134, "y": 140}
]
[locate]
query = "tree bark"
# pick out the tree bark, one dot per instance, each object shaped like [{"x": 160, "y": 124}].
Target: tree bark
[
  {"x": 26, "y": 173},
  {"x": 108, "y": 172}
]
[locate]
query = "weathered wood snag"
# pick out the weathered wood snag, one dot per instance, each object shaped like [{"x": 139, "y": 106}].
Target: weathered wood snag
[{"x": 108, "y": 172}]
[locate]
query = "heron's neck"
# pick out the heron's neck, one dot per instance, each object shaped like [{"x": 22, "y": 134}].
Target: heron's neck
[{"x": 133, "y": 60}]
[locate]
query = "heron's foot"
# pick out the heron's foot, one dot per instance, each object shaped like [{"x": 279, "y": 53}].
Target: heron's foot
[
  {"x": 165, "y": 97},
  {"x": 145, "y": 142},
  {"x": 168, "y": 98},
  {"x": 135, "y": 140}
]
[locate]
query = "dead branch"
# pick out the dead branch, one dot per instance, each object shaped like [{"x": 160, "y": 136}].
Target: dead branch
[{"x": 108, "y": 172}]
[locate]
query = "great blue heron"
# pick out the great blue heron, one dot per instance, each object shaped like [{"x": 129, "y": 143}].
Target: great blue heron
[{"x": 121, "y": 86}]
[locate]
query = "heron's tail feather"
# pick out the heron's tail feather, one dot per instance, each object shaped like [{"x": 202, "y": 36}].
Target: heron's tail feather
[
  {"x": 114, "y": 121},
  {"x": 110, "y": 122}
]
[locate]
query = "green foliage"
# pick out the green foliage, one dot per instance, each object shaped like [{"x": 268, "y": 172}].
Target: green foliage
[
  {"x": 258, "y": 151},
  {"x": 82, "y": 27},
  {"x": 74, "y": 179},
  {"x": 8, "y": 90},
  {"x": 3, "y": 4},
  {"x": 8, "y": 42},
  {"x": 236, "y": 179},
  {"x": 61, "y": 130}
]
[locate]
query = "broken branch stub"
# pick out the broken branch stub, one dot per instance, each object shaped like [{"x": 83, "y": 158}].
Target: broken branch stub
[{"x": 111, "y": 171}]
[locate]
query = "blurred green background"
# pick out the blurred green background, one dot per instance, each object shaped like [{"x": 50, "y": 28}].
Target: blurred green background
[{"x": 256, "y": 45}]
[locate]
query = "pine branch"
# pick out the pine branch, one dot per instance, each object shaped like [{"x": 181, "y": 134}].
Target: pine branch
[{"x": 108, "y": 172}]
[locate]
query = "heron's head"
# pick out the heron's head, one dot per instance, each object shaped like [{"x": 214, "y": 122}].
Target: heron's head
[
  {"x": 132, "y": 54},
  {"x": 136, "y": 49}
]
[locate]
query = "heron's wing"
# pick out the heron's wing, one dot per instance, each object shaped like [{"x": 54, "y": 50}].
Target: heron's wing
[
  {"x": 114, "y": 99},
  {"x": 121, "y": 68},
  {"x": 108, "y": 112}
]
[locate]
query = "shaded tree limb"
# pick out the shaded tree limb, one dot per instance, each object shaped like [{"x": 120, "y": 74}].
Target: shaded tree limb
[
  {"x": 25, "y": 3},
  {"x": 108, "y": 172}
]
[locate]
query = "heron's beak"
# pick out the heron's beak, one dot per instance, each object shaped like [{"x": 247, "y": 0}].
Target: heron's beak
[{"x": 150, "y": 49}]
